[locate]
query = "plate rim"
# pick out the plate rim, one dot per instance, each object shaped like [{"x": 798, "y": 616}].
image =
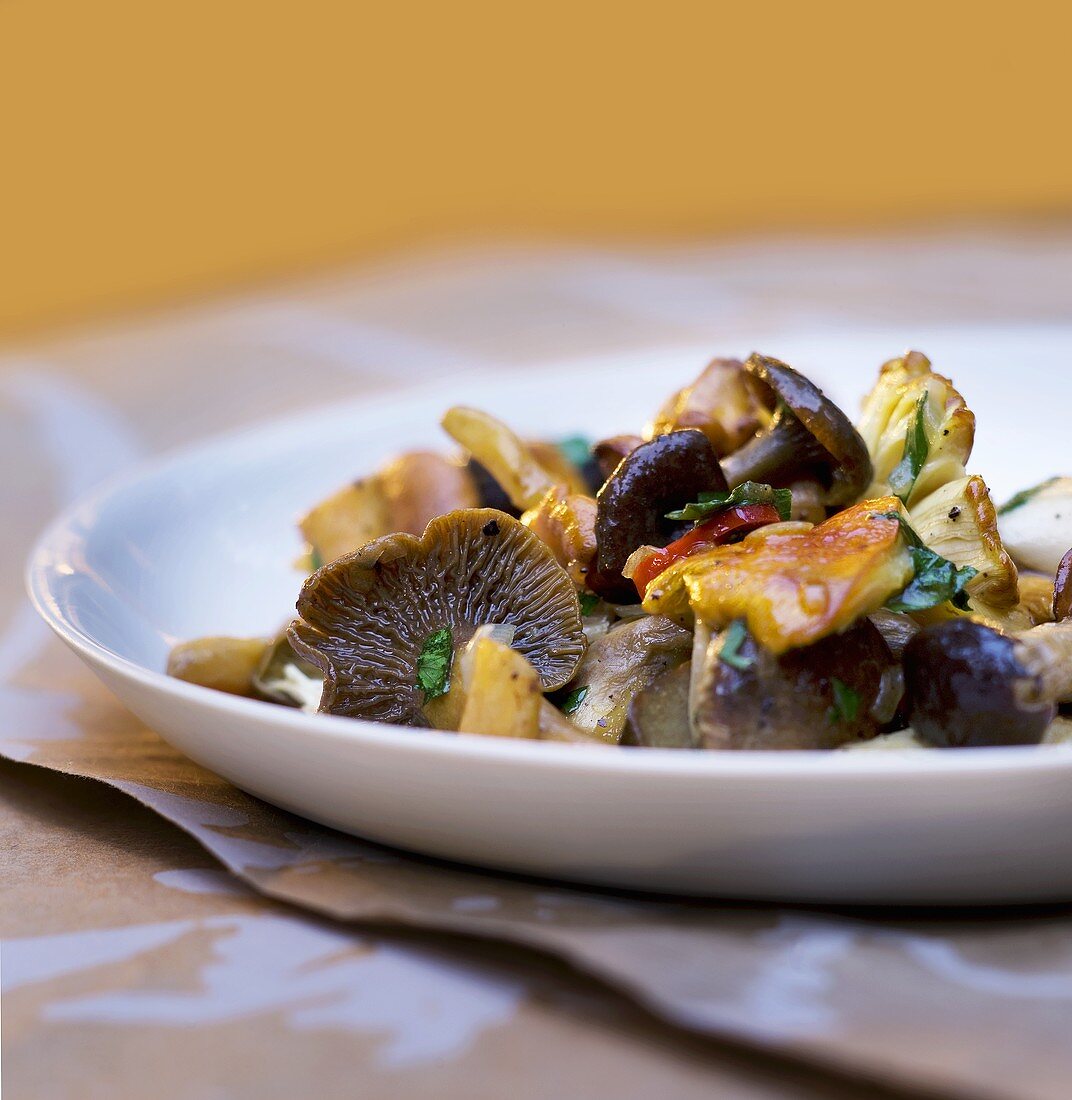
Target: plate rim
[{"x": 609, "y": 759}]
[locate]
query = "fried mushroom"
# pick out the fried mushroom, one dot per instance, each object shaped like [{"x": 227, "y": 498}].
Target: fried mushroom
[{"x": 364, "y": 620}]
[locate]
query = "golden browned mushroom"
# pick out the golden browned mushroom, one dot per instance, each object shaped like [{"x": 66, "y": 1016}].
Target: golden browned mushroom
[
  {"x": 224, "y": 664},
  {"x": 720, "y": 403},
  {"x": 376, "y": 621},
  {"x": 420, "y": 485}
]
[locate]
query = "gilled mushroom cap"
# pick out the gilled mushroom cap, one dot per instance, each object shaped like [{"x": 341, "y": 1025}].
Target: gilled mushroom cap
[
  {"x": 966, "y": 686},
  {"x": 657, "y": 477},
  {"x": 365, "y": 618},
  {"x": 809, "y": 434}
]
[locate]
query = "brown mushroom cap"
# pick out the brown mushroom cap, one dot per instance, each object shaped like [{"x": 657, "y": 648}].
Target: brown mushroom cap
[
  {"x": 365, "y": 618},
  {"x": 659, "y": 476},
  {"x": 792, "y": 701},
  {"x": 659, "y": 714},
  {"x": 808, "y": 435},
  {"x": 967, "y": 686},
  {"x": 1062, "y": 590}
]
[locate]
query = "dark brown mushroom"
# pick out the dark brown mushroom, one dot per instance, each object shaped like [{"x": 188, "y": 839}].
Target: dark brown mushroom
[
  {"x": 808, "y": 436},
  {"x": 970, "y": 685},
  {"x": 658, "y": 477},
  {"x": 365, "y": 619},
  {"x": 659, "y": 714},
  {"x": 819, "y": 697}
]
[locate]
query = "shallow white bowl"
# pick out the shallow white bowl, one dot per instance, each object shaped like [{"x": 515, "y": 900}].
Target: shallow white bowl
[{"x": 202, "y": 543}]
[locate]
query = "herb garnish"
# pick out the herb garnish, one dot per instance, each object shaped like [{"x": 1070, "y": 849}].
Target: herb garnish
[
  {"x": 588, "y": 602},
  {"x": 1024, "y": 495},
  {"x": 904, "y": 475},
  {"x": 937, "y": 579},
  {"x": 573, "y": 701},
  {"x": 846, "y": 702},
  {"x": 749, "y": 492},
  {"x": 433, "y": 665},
  {"x": 316, "y": 559},
  {"x": 576, "y": 449},
  {"x": 732, "y": 640}
]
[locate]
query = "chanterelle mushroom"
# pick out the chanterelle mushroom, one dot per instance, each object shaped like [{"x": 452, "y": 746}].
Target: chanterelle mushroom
[
  {"x": 793, "y": 583},
  {"x": 917, "y": 428},
  {"x": 366, "y": 618},
  {"x": 807, "y": 436}
]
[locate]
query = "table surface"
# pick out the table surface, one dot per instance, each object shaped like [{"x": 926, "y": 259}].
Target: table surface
[{"x": 132, "y": 961}]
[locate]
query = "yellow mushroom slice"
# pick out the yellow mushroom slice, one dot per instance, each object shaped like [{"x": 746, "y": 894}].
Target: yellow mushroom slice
[
  {"x": 566, "y": 523},
  {"x": 721, "y": 403},
  {"x": 503, "y": 693},
  {"x": 617, "y": 666},
  {"x": 561, "y": 470},
  {"x": 910, "y": 401},
  {"x": 346, "y": 520},
  {"x": 224, "y": 664},
  {"x": 507, "y": 457},
  {"x": 792, "y": 584},
  {"x": 420, "y": 485},
  {"x": 959, "y": 522}
]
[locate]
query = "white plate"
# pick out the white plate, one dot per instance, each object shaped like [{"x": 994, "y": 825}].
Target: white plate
[{"x": 201, "y": 543}]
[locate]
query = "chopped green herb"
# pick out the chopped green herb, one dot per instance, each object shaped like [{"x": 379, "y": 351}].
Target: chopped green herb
[
  {"x": 904, "y": 475},
  {"x": 589, "y": 601},
  {"x": 936, "y": 578},
  {"x": 750, "y": 492},
  {"x": 846, "y": 702},
  {"x": 576, "y": 448},
  {"x": 316, "y": 559},
  {"x": 433, "y": 665},
  {"x": 573, "y": 701},
  {"x": 732, "y": 640},
  {"x": 1024, "y": 495}
]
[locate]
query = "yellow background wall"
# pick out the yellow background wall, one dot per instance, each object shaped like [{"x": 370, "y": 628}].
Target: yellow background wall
[{"x": 155, "y": 149}]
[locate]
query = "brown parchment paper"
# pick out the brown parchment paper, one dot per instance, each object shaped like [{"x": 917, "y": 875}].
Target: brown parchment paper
[{"x": 965, "y": 1004}]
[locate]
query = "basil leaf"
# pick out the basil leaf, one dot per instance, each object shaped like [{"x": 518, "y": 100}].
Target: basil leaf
[
  {"x": 936, "y": 578},
  {"x": 1024, "y": 495},
  {"x": 588, "y": 601},
  {"x": 433, "y": 665},
  {"x": 316, "y": 559},
  {"x": 576, "y": 449},
  {"x": 846, "y": 702},
  {"x": 749, "y": 492},
  {"x": 730, "y": 653},
  {"x": 573, "y": 701},
  {"x": 904, "y": 475}
]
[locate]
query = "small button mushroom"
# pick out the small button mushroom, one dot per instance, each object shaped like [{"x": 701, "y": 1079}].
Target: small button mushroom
[
  {"x": 917, "y": 428},
  {"x": 808, "y": 436},
  {"x": 656, "y": 478},
  {"x": 819, "y": 697},
  {"x": 659, "y": 714},
  {"x": 617, "y": 666},
  {"x": 1036, "y": 524},
  {"x": 969, "y": 685},
  {"x": 720, "y": 403},
  {"x": 368, "y": 620}
]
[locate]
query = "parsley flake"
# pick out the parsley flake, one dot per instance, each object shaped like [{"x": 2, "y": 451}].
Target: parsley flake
[
  {"x": 846, "y": 702},
  {"x": 749, "y": 492},
  {"x": 588, "y": 601},
  {"x": 936, "y": 579},
  {"x": 572, "y": 702},
  {"x": 316, "y": 559},
  {"x": 433, "y": 665},
  {"x": 730, "y": 653},
  {"x": 576, "y": 449},
  {"x": 904, "y": 475}
]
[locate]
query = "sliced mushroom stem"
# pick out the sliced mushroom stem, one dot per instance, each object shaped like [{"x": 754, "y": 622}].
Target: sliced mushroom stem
[{"x": 785, "y": 445}]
